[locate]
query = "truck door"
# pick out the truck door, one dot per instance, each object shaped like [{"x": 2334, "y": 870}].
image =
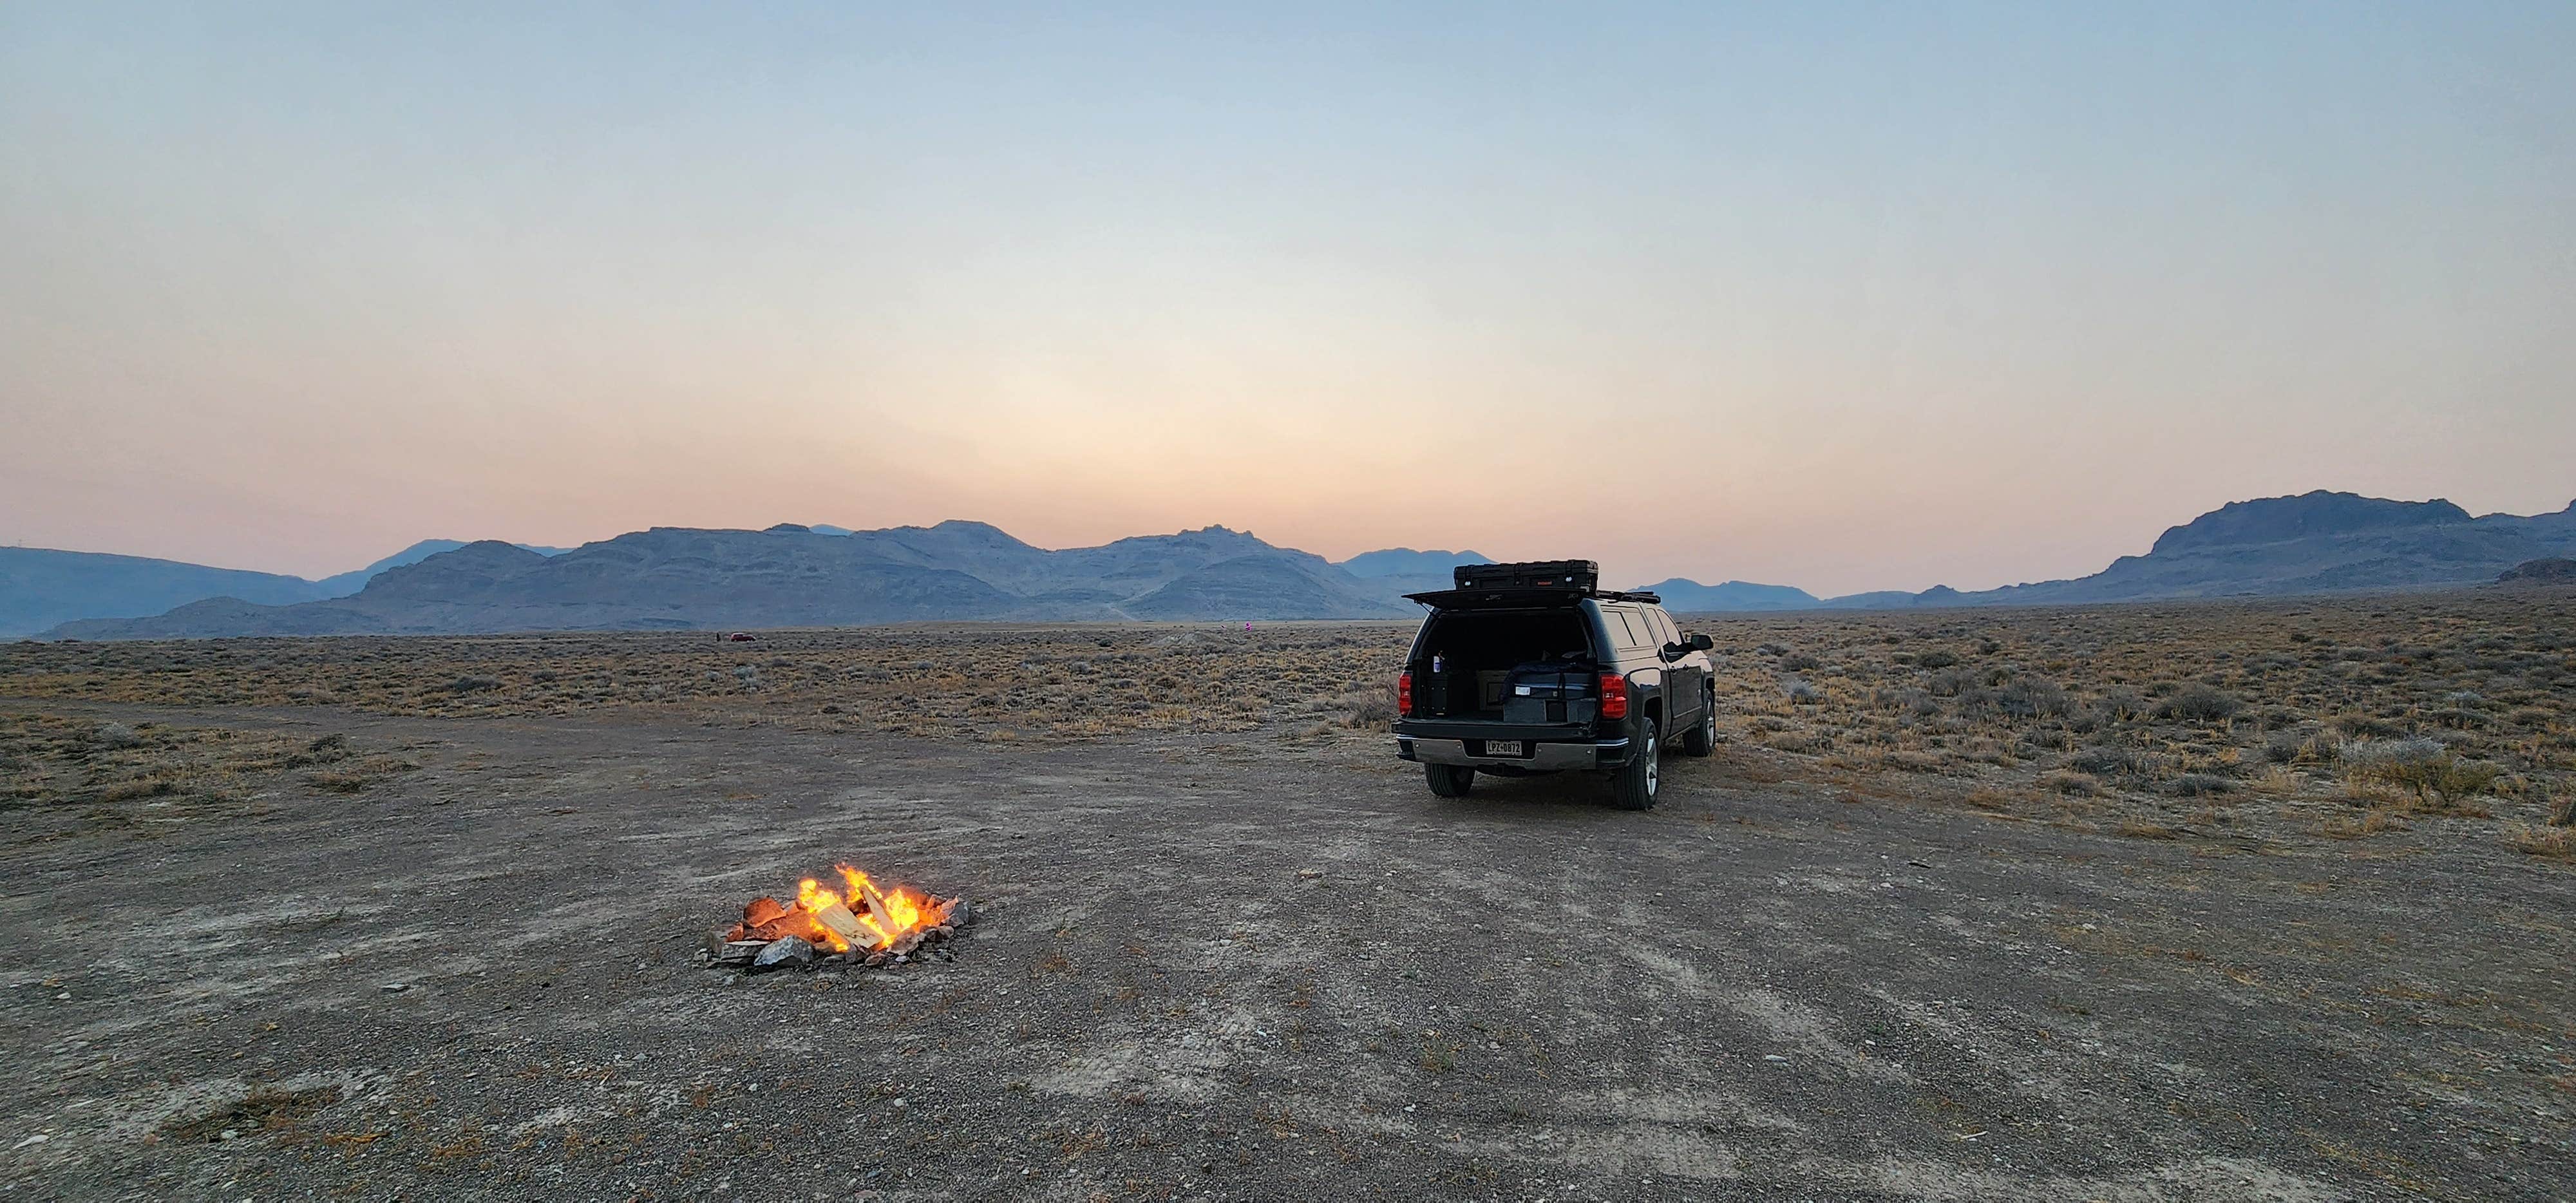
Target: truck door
[{"x": 1685, "y": 684}]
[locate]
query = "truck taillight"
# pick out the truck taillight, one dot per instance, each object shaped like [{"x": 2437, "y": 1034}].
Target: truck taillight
[
  {"x": 1614, "y": 696},
  {"x": 1404, "y": 694}
]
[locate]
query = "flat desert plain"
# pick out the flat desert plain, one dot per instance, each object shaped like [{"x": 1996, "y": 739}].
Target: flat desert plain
[{"x": 2196, "y": 901}]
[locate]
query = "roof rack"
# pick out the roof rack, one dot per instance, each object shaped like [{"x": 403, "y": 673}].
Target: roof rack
[{"x": 1580, "y": 578}]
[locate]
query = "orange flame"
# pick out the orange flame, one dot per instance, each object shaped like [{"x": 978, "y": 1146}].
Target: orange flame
[{"x": 866, "y": 916}]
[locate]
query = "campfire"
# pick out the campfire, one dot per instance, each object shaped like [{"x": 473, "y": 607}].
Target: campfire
[{"x": 861, "y": 923}]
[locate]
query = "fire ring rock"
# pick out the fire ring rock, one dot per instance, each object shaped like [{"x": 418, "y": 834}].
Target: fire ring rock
[{"x": 785, "y": 950}]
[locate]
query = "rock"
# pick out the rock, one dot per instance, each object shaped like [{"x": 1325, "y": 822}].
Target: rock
[
  {"x": 786, "y": 950},
  {"x": 877, "y": 958},
  {"x": 739, "y": 952},
  {"x": 394, "y": 987},
  {"x": 960, "y": 913},
  {"x": 718, "y": 937},
  {"x": 1309, "y": 874}
]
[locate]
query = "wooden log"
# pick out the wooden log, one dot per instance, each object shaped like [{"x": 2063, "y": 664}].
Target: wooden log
[
  {"x": 877, "y": 911},
  {"x": 838, "y": 920}
]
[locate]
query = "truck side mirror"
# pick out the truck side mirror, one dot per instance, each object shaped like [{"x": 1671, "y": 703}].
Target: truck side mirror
[{"x": 1701, "y": 643}]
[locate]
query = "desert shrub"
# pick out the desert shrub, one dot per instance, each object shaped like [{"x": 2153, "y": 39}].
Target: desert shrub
[
  {"x": 1935, "y": 659},
  {"x": 359, "y": 776},
  {"x": 1799, "y": 692},
  {"x": 1368, "y": 709},
  {"x": 1798, "y": 662},
  {"x": 2558, "y": 843},
  {"x": 2199, "y": 703},
  {"x": 2363, "y": 726},
  {"x": 1905, "y": 701},
  {"x": 2438, "y": 778},
  {"x": 2562, "y": 811},
  {"x": 114, "y": 736},
  {"x": 2064, "y": 782},
  {"x": 473, "y": 684},
  {"x": 2370, "y": 757},
  {"x": 2199, "y": 785},
  {"x": 1951, "y": 682},
  {"x": 2112, "y": 762},
  {"x": 2035, "y": 697}
]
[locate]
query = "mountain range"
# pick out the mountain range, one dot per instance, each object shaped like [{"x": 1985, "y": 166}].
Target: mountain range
[
  {"x": 41, "y": 587},
  {"x": 673, "y": 578},
  {"x": 792, "y": 575},
  {"x": 2313, "y": 543}
]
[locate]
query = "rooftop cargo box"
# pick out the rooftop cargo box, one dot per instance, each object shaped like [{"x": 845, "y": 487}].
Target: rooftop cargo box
[{"x": 1583, "y": 575}]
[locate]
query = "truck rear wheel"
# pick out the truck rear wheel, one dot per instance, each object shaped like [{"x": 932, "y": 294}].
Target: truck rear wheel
[
  {"x": 1635, "y": 786},
  {"x": 1450, "y": 780}
]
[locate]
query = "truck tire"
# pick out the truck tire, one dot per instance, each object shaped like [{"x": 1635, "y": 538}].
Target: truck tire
[
  {"x": 1634, "y": 788},
  {"x": 1450, "y": 780},
  {"x": 1702, "y": 738}
]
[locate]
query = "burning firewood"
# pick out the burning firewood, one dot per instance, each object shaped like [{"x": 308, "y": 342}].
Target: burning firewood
[
  {"x": 838, "y": 920},
  {"x": 866, "y": 924}
]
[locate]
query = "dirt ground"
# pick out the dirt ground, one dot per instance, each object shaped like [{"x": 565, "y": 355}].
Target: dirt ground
[{"x": 314, "y": 951}]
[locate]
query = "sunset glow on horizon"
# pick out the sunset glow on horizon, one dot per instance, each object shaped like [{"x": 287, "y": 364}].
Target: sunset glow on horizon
[{"x": 1934, "y": 298}]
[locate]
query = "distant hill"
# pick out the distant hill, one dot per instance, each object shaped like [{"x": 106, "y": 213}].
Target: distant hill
[
  {"x": 346, "y": 583},
  {"x": 1683, "y": 596},
  {"x": 2314, "y": 542},
  {"x": 1689, "y": 596},
  {"x": 2316, "y": 515},
  {"x": 40, "y": 587},
  {"x": 789, "y": 575},
  {"x": 2540, "y": 572},
  {"x": 1404, "y": 561},
  {"x": 1397, "y": 571}
]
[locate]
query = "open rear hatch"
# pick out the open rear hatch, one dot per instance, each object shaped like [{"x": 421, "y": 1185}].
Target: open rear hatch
[{"x": 1526, "y": 665}]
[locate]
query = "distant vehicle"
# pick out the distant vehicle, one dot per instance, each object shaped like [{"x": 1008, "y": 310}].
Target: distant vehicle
[
  {"x": 1533, "y": 668},
  {"x": 738, "y": 637}
]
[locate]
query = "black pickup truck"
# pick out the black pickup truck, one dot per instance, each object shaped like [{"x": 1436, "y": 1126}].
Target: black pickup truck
[{"x": 1533, "y": 668}]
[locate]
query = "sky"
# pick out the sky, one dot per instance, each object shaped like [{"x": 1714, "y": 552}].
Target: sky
[{"x": 1843, "y": 297}]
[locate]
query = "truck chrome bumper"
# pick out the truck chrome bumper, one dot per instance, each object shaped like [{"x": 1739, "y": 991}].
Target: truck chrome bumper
[{"x": 1543, "y": 758}]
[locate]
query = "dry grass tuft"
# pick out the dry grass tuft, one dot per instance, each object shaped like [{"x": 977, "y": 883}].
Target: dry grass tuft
[{"x": 2557, "y": 843}]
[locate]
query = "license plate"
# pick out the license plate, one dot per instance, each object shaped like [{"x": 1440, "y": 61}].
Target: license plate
[{"x": 1506, "y": 747}]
